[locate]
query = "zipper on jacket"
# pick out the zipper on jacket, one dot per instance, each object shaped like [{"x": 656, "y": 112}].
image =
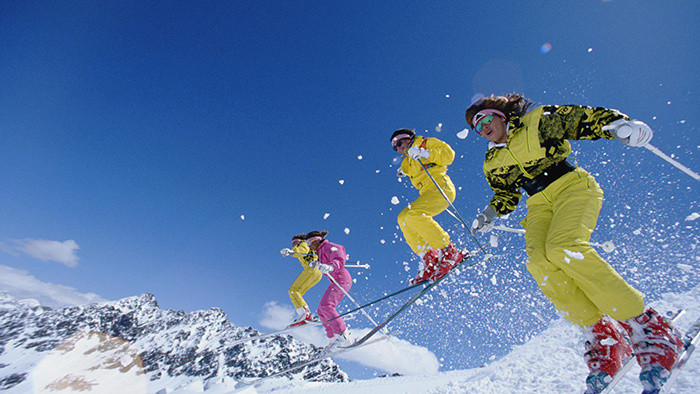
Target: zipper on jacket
[{"x": 519, "y": 164}]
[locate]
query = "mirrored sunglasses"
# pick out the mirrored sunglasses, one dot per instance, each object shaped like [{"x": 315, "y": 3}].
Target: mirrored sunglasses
[{"x": 486, "y": 119}]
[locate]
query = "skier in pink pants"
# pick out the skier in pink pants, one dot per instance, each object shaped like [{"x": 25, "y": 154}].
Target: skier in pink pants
[{"x": 331, "y": 262}]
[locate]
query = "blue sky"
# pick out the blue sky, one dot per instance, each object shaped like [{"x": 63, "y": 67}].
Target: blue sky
[{"x": 180, "y": 145}]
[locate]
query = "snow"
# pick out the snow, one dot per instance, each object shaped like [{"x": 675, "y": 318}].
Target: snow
[
  {"x": 463, "y": 134},
  {"x": 575, "y": 255},
  {"x": 395, "y": 200},
  {"x": 550, "y": 362}
]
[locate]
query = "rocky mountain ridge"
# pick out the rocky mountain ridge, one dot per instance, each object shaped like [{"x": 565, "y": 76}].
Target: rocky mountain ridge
[{"x": 133, "y": 340}]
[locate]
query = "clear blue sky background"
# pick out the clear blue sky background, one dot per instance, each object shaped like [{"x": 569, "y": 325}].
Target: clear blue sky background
[{"x": 144, "y": 130}]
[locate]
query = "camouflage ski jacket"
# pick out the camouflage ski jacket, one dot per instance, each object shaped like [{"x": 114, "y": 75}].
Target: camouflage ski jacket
[
  {"x": 537, "y": 141},
  {"x": 303, "y": 248}
]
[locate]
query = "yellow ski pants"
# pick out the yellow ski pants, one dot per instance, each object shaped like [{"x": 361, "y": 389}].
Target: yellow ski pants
[
  {"x": 306, "y": 280},
  {"x": 567, "y": 269},
  {"x": 416, "y": 221}
]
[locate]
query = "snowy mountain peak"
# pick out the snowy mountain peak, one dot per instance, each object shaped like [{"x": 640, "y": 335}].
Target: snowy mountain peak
[
  {"x": 133, "y": 340},
  {"x": 143, "y": 301}
]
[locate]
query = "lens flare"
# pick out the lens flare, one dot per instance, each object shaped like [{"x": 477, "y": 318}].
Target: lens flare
[{"x": 546, "y": 47}]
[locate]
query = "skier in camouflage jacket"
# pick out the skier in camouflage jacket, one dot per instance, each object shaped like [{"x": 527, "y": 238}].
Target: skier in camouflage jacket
[{"x": 529, "y": 150}]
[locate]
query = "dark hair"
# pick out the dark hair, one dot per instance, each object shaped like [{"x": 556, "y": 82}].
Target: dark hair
[
  {"x": 512, "y": 105},
  {"x": 299, "y": 236},
  {"x": 410, "y": 132},
  {"x": 317, "y": 233}
]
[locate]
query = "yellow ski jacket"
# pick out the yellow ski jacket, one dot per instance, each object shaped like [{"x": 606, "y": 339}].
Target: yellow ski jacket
[
  {"x": 537, "y": 141},
  {"x": 441, "y": 155}
]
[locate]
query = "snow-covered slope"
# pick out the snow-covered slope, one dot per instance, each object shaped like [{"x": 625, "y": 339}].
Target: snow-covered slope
[
  {"x": 551, "y": 362},
  {"x": 131, "y": 345}
]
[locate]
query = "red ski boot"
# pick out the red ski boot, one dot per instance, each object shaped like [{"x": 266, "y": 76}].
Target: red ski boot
[
  {"x": 428, "y": 267},
  {"x": 449, "y": 257},
  {"x": 304, "y": 317},
  {"x": 657, "y": 345},
  {"x": 607, "y": 350}
]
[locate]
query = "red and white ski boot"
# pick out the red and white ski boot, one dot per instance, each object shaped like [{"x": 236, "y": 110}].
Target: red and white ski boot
[
  {"x": 657, "y": 345},
  {"x": 449, "y": 257},
  {"x": 428, "y": 267},
  {"x": 607, "y": 350},
  {"x": 304, "y": 317}
]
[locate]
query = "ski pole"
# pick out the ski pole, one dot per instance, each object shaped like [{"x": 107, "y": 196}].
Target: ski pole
[
  {"x": 456, "y": 212},
  {"x": 365, "y": 266},
  {"x": 510, "y": 230},
  {"x": 607, "y": 246},
  {"x": 676, "y": 164},
  {"x": 353, "y": 300}
]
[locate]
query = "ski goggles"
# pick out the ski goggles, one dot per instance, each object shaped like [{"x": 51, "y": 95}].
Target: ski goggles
[
  {"x": 485, "y": 117},
  {"x": 312, "y": 239},
  {"x": 396, "y": 141}
]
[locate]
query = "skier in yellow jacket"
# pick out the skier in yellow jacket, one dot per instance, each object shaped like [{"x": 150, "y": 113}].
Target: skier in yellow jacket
[
  {"x": 528, "y": 150},
  {"x": 305, "y": 281},
  {"x": 421, "y": 232}
]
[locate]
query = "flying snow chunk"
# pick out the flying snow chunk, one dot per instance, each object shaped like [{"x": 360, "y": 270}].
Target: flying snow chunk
[
  {"x": 341, "y": 181},
  {"x": 347, "y": 230},
  {"x": 447, "y": 96},
  {"x": 242, "y": 217},
  {"x": 575, "y": 255},
  {"x": 692, "y": 217},
  {"x": 463, "y": 134},
  {"x": 438, "y": 127},
  {"x": 590, "y": 50},
  {"x": 359, "y": 157},
  {"x": 325, "y": 216},
  {"x": 395, "y": 200}
]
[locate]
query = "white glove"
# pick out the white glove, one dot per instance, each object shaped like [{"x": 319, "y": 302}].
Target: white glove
[
  {"x": 417, "y": 153},
  {"x": 482, "y": 223},
  {"x": 400, "y": 173},
  {"x": 325, "y": 268},
  {"x": 286, "y": 252},
  {"x": 632, "y": 132}
]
